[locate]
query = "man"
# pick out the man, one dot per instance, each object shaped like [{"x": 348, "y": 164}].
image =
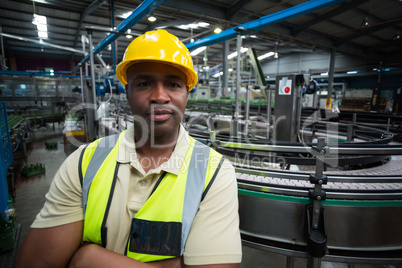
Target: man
[{"x": 149, "y": 197}]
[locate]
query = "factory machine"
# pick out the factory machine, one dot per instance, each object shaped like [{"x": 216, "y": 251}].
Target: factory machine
[{"x": 318, "y": 189}]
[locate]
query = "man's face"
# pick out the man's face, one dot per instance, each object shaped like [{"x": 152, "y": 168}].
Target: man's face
[{"x": 157, "y": 94}]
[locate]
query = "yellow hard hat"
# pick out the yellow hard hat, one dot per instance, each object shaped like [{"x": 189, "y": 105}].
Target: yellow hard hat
[{"x": 158, "y": 46}]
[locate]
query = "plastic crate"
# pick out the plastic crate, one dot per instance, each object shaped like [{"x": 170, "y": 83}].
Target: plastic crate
[
  {"x": 51, "y": 145},
  {"x": 6, "y": 155},
  {"x": 32, "y": 170}
]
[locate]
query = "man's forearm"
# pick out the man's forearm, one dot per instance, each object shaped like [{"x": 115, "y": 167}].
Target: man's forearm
[{"x": 91, "y": 255}]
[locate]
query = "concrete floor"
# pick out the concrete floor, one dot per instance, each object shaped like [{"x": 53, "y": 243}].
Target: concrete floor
[{"x": 30, "y": 197}]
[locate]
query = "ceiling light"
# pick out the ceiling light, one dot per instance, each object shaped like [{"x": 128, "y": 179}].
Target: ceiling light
[
  {"x": 266, "y": 55},
  {"x": 39, "y": 19},
  {"x": 128, "y": 34},
  {"x": 217, "y": 30},
  {"x": 42, "y": 34},
  {"x": 276, "y": 55},
  {"x": 324, "y": 73},
  {"x": 41, "y": 24},
  {"x": 234, "y": 54},
  {"x": 365, "y": 22},
  {"x": 203, "y": 24},
  {"x": 42, "y": 27},
  {"x": 197, "y": 51},
  {"x": 193, "y": 25},
  {"x": 396, "y": 36},
  {"x": 352, "y": 72},
  {"x": 126, "y": 15},
  {"x": 151, "y": 18}
]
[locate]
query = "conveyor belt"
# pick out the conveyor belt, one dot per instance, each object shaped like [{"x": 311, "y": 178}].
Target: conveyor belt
[{"x": 363, "y": 208}]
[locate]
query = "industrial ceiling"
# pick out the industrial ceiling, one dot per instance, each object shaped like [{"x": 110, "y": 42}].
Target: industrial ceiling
[{"x": 365, "y": 28}]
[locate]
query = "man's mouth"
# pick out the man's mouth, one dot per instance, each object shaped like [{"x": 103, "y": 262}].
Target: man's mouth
[{"x": 160, "y": 114}]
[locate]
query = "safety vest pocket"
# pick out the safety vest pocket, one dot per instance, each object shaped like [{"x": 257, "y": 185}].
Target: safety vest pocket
[{"x": 155, "y": 237}]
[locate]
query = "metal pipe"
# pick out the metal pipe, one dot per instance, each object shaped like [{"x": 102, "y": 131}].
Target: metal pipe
[
  {"x": 388, "y": 124},
  {"x": 354, "y": 124},
  {"x": 92, "y": 65},
  {"x": 225, "y": 67},
  {"x": 289, "y": 262},
  {"x": 299, "y": 108},
  {"x": 238, "y": 81},
  {"x": 253, "y": 129},
  {"x": 268, "y": 112},
  {"x": 219, "y": 93},
  {"x": 3, "y": 57},
  {"x": 114, "y": 56},
  {"x": 61, "y": 88},
  {"x": 331, "y": 74},
  {"x": 349, "y": 136},
  {"x": 35, "y": 88},
  {"x": 313, "y": 262},
  {"x": 82, "y": 84},
  {"x": 247, "y": 111},
  {"x": 91, "y": 97},
  {"x": 319, "y": 170},
  {"x": 42, "y": 43}
]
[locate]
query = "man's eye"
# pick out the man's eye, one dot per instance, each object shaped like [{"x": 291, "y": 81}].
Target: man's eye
[
  {"x": 143, "y": 84},
  {"x": 174, "y": 85}
]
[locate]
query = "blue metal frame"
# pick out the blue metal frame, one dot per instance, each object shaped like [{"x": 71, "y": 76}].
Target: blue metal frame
[
  {"x": 138, "y": 14},
  {"x": 265, "y": 21},
  {"x": 6, "y": 156}
]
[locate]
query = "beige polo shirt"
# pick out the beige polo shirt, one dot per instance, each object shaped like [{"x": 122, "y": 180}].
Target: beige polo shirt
[{"x": 214, "y": 236}]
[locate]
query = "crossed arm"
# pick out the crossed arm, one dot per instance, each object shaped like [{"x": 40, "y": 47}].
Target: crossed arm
[{"x": 61, "y": 247}]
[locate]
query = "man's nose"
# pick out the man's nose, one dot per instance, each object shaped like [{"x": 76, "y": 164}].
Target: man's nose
[{"x": 159, "y": 94}]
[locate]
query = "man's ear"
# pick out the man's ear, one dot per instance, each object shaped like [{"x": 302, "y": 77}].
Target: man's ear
[{"x": 127, "y": 91}]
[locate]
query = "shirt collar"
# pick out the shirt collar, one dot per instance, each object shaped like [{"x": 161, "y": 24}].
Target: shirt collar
[{"x": 127, "y": 153}]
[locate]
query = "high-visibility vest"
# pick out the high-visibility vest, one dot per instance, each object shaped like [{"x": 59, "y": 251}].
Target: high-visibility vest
[{"x": 159, "y": 230}]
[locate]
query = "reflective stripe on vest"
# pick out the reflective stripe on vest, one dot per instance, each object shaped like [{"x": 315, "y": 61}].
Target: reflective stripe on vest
[
  {"x": 98, "y": 169},
  {"x": 171, "y": 208}
]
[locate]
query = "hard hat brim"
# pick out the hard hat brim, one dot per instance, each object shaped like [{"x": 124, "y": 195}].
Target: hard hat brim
[{"x": 121, "y": 71}]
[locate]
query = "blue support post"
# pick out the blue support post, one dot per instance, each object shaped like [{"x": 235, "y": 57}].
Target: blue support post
[
  {"x": 6, "y": 156},
  {"x": 265, "y": 21},
  {"x": 138, "y": 14}
]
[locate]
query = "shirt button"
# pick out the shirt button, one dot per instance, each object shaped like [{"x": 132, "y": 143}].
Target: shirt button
[{"x": 143, "y": 183}]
